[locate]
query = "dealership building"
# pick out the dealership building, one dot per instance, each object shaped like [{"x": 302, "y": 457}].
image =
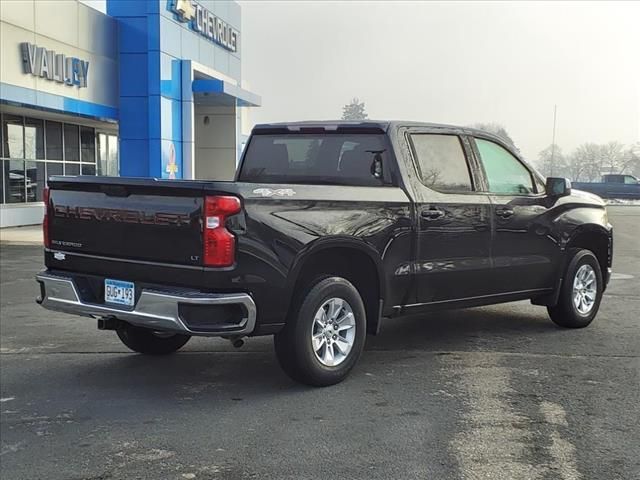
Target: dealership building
[{"x": 150, "y": 89}]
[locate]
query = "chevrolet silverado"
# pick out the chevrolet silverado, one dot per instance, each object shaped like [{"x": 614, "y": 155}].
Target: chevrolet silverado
[{"x": 328, "y": 228}]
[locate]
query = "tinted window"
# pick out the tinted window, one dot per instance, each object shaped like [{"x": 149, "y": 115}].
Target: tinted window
[
  {"x": 441, "y": 162},
  {"x": 337, "y": 159},
  {"x": 2, "y": 181},
  {"x": 35, "y": 180},
  {"x": 53, "y": 131},
  {"x": 88, "y": 144},
  {"x": 71, "y": 143},
  {"x": 54, "y": 168},
  {"x": 71, "y": 168},
  {"x": 88, "y": 169},
  {"x": 15, "y": 181},
  {"x": 505, "y": 173}
]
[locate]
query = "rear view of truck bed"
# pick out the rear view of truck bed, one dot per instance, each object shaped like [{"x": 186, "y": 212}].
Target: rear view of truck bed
[{"x": 112, "y": 246}]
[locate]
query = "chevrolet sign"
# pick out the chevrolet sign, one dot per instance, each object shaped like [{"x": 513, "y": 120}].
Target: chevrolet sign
[{"x": 206, "y": 23}]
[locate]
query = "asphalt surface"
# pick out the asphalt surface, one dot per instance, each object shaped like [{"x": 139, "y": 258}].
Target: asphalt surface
[{"x": 486, "y": 393}]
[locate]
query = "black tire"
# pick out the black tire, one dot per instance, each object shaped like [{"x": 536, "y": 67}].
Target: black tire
[
  {"x": 293, "y": 344},
  {"x": 565, "y": 313},
  {"x": 144, "y": 340}
]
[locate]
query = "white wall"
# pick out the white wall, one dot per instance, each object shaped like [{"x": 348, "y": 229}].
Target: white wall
[
  {"x": 215, "y": 142},
  {"x": 21, "y": 214},
  {"x": 65, "y": 26}
]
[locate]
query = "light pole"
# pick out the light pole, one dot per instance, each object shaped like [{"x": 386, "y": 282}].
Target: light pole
[{"x": 553, "y": 140}]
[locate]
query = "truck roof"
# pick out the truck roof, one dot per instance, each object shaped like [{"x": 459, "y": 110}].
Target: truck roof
[{"x": 360, "y": 125}]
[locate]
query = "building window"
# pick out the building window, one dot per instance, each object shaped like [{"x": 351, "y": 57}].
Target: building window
[
  {"x": 88, "y": 145},
  {"x": 54, "y": 140},
  {"x": 33, "y": 149},
  {"x": 15, "y": 180},
  {"x": 54, "y": 168},
  {"x": 33, "y": 138},
  {"x": 108, "y": 155},
  {"x": 13, "y": 135},
  {"x": 71, "y": 143},
  {"x": 2, "y": 180}
]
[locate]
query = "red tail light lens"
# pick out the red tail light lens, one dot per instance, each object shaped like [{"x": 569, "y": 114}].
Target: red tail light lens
[
  {"x": 219, "y": 244},
  {"x": 45, "y": 220}
]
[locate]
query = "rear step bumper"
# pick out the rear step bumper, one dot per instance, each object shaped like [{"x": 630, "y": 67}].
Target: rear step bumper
[{"x": 159, "y": 310}]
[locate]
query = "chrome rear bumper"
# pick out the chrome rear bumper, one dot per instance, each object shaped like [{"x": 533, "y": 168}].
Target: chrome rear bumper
[{"x": 154, "y": 309}]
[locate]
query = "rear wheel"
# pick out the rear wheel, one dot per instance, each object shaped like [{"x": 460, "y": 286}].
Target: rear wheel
[
  {"x": 325, "y": 333},
  {"x": 581, "y": 291},
  {"x": 150, "y": 342}
]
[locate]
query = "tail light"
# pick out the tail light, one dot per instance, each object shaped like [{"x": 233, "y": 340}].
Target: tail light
[
  {"x": 45, "y": 220},
  {"x": 219, "y": 244}
]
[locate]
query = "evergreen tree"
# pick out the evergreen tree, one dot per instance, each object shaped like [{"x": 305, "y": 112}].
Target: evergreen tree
[{"x": 354, "y": 110}]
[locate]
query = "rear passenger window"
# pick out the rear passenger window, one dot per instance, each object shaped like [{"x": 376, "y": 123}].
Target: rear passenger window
[
  {"x": 505, "y": 173},
  {"x": 441, "y": 162}
]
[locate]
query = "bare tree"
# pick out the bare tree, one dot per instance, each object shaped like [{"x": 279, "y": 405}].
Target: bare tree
[
  {"x": 354, "y": 110},
  {"x": 552, "y": 162},
  {"x": 498, "y": 130},
  {"x": 631, "y": 160},
  {"x": 612, "y": 157},
  {"x": 589, "y": 161}
]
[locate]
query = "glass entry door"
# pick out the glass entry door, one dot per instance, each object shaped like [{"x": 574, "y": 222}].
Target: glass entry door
[{"x": 108, "y": 163}]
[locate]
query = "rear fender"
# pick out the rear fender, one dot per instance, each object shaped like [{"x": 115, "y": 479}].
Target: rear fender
[{"x": 325, "y": 243}]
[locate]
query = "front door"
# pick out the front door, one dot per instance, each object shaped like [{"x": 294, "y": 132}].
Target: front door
[
  {"x": 524, "y": 253},
  {"x": 454, "y": 223}
]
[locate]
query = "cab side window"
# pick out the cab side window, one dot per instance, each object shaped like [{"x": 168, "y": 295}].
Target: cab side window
[
  {"x": 505, "y": 173},
  {"x": 442, "y": 164}
]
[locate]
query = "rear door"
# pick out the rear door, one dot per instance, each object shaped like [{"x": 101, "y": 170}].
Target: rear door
[
  {"x": 524, "y": 254},
  {"x": 454, "y": 230}
]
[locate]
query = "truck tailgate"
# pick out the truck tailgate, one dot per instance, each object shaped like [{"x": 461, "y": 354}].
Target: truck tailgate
[{"x": 136, "y": 219}]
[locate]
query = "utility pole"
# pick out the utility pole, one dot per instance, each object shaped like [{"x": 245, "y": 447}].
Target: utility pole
[{"x": 553, "y": 140}]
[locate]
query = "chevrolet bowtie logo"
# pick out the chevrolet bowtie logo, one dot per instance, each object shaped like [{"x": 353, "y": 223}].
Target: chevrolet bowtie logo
[
  {"x": 184, "y": 8},
  {"x": 203, "y": 22}
]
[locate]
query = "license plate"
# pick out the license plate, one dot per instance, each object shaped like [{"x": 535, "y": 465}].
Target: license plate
[{"x": 117, "y": 291}]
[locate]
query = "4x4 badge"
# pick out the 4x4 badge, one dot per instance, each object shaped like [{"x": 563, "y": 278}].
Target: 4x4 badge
[{"x": 278, "y": 192}]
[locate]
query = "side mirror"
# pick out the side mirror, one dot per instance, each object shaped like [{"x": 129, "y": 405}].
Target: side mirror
[{"x": 558, "y": 186}]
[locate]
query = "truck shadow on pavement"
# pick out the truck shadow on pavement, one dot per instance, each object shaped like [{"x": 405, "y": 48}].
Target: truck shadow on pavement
[
  {"x": 503, "y": 328},
  {"x": 224, "y": 375}
]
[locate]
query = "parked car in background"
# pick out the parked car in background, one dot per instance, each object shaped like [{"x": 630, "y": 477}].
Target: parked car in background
[
  {"x": 329, "y": 227},
  {"x": 612, "y": 186}
]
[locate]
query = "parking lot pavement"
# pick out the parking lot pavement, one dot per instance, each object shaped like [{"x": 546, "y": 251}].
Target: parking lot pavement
[{"x": 486, "y": 393}]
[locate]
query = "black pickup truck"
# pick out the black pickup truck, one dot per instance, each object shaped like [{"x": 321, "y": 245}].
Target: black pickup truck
[{"x": 328, "y": 228}]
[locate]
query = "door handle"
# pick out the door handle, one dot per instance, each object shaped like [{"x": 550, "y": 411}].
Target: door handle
[
  {"x": 432, "y": 214},
  {"x": 504, "y": 212}
]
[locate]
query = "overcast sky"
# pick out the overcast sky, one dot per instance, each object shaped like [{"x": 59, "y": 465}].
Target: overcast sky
[{"x": 457, "y": 63}]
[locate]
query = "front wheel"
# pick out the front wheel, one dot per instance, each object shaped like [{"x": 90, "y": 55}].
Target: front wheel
[
  {"x": 324, "y": 335},
  {"x": 150, "y": 342},
  {"x": 581, "y": 291}
]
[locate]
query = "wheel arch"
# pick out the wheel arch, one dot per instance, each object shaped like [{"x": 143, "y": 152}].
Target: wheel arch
[
  {"x": 353, "y": 259},
  {"x": 595, "y": 238},
  {"x": 590, "y": 236}
]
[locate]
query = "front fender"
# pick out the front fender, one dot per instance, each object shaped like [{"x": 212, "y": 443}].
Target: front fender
[{"x": 575, "y": 222}]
